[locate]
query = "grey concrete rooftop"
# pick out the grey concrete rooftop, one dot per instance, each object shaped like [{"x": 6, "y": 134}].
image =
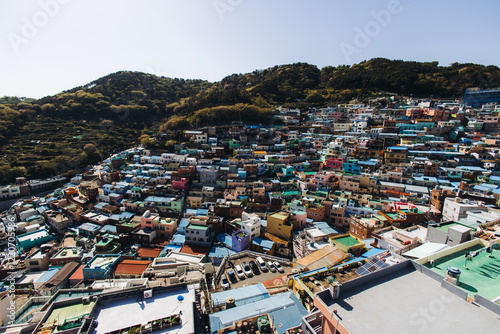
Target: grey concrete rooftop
[
  {"x": 124, "y": 312},
  {"x": 408, "y": 301}
]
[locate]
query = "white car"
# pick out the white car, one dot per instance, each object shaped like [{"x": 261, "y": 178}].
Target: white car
[
  {"x": 239, "y": 271},
  {"x": 271, "y": 266},
  {"x": 278, "y": 266},
  {"x": 262, "y": 264},
  {"x": 224, "y": 282},
  {"x": 247, "y": 269}
]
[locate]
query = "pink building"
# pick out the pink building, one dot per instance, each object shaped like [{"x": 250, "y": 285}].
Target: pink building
[
  {"x": 321, "y": 178},
  {"x": 147, "y": 220},
  {"x": 180, "y": 184},
  {"x": 301, "y": 218},
  {"x": 332, "y": 163}
]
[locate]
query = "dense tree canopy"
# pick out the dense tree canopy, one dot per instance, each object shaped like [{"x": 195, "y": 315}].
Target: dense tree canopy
[{"x": 69, "y": 130}]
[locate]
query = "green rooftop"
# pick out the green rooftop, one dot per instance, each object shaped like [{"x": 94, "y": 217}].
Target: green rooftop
[
  {"x": 72, "y": 311},
  {"x": 290, "y": 192},
  {"x": 347, "y": 241},
  {"x": 393, "y": 216},
  {"x": 481, "y": 274},
  {"x": 197, "y": 227}
]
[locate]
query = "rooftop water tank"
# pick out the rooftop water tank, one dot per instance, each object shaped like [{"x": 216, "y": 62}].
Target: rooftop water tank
[
  {"x": 230, "y": 302},
  {"x": 453, "y": 272}
]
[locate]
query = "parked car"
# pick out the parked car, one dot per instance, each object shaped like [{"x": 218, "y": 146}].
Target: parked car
[
  {"x": 254, "y": 268},
  {"x": 271, "y": 266},
  {"x": 239, "y": 271},
  {"x": 262, "y": 264},
  {"x": 278, "y": 266},
  {"x": 246, "y": 269},
  {"x": 224, "y": 282},
  {"x": 232, "y": 276}
]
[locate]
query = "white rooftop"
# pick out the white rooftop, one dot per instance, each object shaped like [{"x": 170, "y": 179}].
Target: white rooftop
[
  {"x": 426, "y": 249},
  {"x": 120, "y": 313}
]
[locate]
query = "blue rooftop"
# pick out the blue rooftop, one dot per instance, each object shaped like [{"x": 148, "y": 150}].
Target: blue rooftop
[
  {"x": 266, "y": 244},
  {"x": 89, "y": 227},
  {"x": 182, "y": 225},
  {"x": 242, "y": 296},
  {"x": 325, "y": 228},
  {"x": 48, "y": 275},
  {"x": 109, "y": 228},
  {"x": 225, "y": 239},
  {"x": 202, "y": 212},
  {"x": 285, "y": 309},
  {"x": 178, "y": 239},
  {"x": 220, "y": 252}
]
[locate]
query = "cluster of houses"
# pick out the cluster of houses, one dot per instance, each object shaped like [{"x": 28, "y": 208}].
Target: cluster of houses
[{"x": 311, "y": 211}]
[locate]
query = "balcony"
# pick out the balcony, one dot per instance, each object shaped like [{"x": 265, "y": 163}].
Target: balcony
[{"x": 311, "y": 324}]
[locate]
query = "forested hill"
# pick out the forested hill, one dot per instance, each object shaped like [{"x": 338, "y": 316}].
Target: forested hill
[
  {"x": 125, "y": 97},
  {"x": 80, "y": 125}
]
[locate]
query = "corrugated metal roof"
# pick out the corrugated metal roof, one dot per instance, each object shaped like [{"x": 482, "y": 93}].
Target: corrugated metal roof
[
  {"x": 132, "y": 267},
  {"x": 242, "y": 296},
  {"x": 285, "y": 310},
  {"x": 48, "y": 275},
  {"x": 63, "y": 274},
  {"x": 325, "y": 257},
  {"x": 220, "y": 252}
]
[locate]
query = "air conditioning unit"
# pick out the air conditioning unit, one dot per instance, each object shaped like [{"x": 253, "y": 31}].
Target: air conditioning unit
[{"x": 148, "y": 294}]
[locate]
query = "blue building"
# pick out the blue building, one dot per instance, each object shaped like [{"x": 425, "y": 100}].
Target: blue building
[
  {"x": 240, "y": 241},
  {"x": 476, "y": 97},
  {"x": 351, "y": 166},
  {"x": 101, "y": 266},
  {"x": 33, "y": 239}
]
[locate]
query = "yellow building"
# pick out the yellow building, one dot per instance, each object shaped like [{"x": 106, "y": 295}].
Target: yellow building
[{"x": 280, "y": 224}]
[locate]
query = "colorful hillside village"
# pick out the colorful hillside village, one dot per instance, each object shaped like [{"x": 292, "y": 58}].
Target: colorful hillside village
[{"x": 356, "y": 218}]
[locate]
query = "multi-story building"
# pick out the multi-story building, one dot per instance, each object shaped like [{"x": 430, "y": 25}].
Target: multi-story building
[
  {"x": 280, "y": 225},
  {"x": 250, "y": 224},
  {"x": 457, "y": 208},
  {"x": 395, "y": 155},
  {"x": 363, "y": 226},
  {"x": 198, "y": 235}
]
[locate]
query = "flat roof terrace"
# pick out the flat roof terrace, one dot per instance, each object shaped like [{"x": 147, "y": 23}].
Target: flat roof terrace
[
  {"x": 347, "y": 241},
  {"x": 407, "y": 301},
  {"x": 481, "y": 275},
  {"x": 121, "y": 313},
  {"x": 101, "y": 262}
]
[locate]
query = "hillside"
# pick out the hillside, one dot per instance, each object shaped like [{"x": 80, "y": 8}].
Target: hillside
[{"x": 71, "y": 129}]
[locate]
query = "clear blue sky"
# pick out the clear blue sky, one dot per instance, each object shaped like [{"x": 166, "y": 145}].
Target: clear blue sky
[{"x": 77, "y": 41}]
